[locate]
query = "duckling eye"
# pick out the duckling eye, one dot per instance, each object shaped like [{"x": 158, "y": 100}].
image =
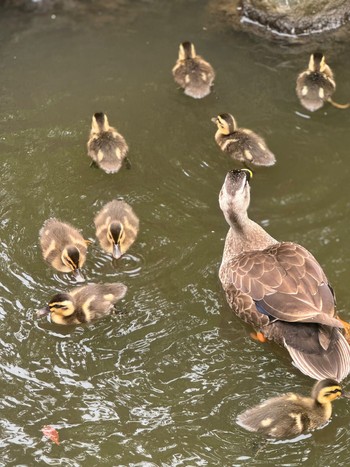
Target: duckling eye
[
  {"x": 57, "y": 305},
  {"x": 334, "y": 391}
]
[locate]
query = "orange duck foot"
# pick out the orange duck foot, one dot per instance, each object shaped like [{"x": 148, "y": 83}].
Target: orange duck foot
[
  {"x": 259, "y": 336},
  {"x": 346, "y": 329}
]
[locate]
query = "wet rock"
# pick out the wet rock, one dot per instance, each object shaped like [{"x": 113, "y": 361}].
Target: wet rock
[{"x": 297, "y": 16}]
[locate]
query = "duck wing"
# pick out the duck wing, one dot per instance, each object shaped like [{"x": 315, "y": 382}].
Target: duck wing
[{"x": 287, "y": 283}]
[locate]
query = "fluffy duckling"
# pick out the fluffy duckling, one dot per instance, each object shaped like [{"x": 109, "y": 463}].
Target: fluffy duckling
[
  {"x": 291, "y": 414},
  {"x": 84, "y": 304},
  {"x": 280, "y": 288},
  {"x": 63, "y": 247},
  {"x": 192, "y": 72},
  {"x": 106, "y": 147},
  {"x": 116, "y": 227},
  {"x": 316, "y": 85},
  {"x": 241, "y": 144}
]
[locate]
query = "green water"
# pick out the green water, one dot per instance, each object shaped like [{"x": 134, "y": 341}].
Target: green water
[{"x": 161, "y": 383}]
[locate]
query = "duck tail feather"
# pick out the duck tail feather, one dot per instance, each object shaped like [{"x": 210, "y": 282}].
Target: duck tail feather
[{"x": 332, "y": 363}]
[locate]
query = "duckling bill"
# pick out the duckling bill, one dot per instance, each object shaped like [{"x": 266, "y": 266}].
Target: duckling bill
[
  {"x": 240, "y": 143},
  {"x": 84, "y": 304},
  {"x": 291, "y": 414},
  {"x": 280, "y": 288},
  {"x": 192, "y": 73},
  {"x": 316, "y": 85},
  {"x": 106, "y": 147}
]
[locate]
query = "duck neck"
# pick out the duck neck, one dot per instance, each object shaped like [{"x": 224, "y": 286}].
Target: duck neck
[
  {"x": 245, "y": 235},
  {"x": 325, "y": 409}
]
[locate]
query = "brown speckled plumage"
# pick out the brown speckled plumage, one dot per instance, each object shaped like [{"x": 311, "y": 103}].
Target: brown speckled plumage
[
  {"x": 84, "y": 304},
  {"x": 316, "y": 85},
  {"x": 106, "y": 147},
  {"x": 240, "y": 143},
  {"x": 192, "y": 72},
  {"x": 291, "y": 414},
  {"x": 280, "y": 289},
  {"x": 55, "y": 238},
  {"x": 116, "y": 210}
]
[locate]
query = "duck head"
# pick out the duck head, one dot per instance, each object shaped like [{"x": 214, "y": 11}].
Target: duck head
[
  {"x": 226, "y": 123},
  {"x": 99, "y": 122},
  {"x": 317, "y": 62},
  {"x": 186, "y": 50},
  {"x": 234, "y": 196},
  {"x": 116, "y": 234},
  {"x": 71, "y": 258},
  {"x": 327, "y": 390},
  {"x": 60, "y": 305}
]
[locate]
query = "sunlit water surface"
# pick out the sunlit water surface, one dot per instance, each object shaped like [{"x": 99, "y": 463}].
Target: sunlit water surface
[{"x": 159, "y": 384}]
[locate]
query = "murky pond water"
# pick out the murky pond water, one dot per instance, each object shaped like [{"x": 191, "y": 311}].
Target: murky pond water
[{"x": 162, "y": 382}]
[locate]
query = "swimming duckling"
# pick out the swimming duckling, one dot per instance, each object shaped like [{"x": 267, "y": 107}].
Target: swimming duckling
[
  {"x": 84, "y": 304},
  {"x": 291, "y": 414},
  {"x": 280, "y": 288},
  {"x": 63, "y": 247},
  {"x": 192, "y": 72},
  {"x": 116, "y": 227},
  {"x": 316, "y": 85},
  {"x": 106, "y": 147},
  {"x": 241, "y": 144}
]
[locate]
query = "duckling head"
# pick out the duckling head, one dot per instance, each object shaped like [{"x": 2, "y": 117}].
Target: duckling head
[
  {"x": 234, "y": 196},
  {"x": 60, "y": 304},
  {"x": 327, "y": 390},
  {"x": 186, "y": 50},
  {"x": 317, "y": 62},
  {"x": 100, "y": 122},
  {"x": 71, "y": 258},
  {"x": 226, "y": 123},
  {"x": 116, "y": 234}
]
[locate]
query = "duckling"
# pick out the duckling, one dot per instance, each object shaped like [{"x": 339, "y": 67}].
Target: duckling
[
  {"x": 280, "y": 288},
  {"x": 106, "y": 147},
  {"x": 116, "y": 227},
  {"x": 291, "y": 414},
  {"x": 63, "y": 247},
  {"x": 84, "y": 304},
  {"x": 192, "y": 72},
  {"x": 241, "y": 144},
  {"x": 316, "y": 85}
]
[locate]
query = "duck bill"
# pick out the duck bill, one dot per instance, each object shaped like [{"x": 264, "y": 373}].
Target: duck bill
[
  {"x": 43, "y": 312},
  {"x": 345, "y": 394},
  {"x": 249, "y": 174},
  {"x": 78, "y": 275},
  {"x": 214, "y": 119},
  {"x": 116, "y": 251}
]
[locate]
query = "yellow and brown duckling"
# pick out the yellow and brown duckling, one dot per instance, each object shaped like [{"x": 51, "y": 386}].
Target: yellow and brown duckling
[
  {"x": 316, "y": 85},
  {"x": 117, "y": 227},
  {"x": 106, "y": 147},
  {"x": 280, "y": 288},
  {"x": 84, "y": 304},
  {"x": 240, "y": 143},
  {"x": 63, "y": 247},
  {"x": 192, "y": 72},
  {"x": 291, "y": 414}
]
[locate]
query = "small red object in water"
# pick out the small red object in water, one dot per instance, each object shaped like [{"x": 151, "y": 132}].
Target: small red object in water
[{"x": 51, "y": 433}]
